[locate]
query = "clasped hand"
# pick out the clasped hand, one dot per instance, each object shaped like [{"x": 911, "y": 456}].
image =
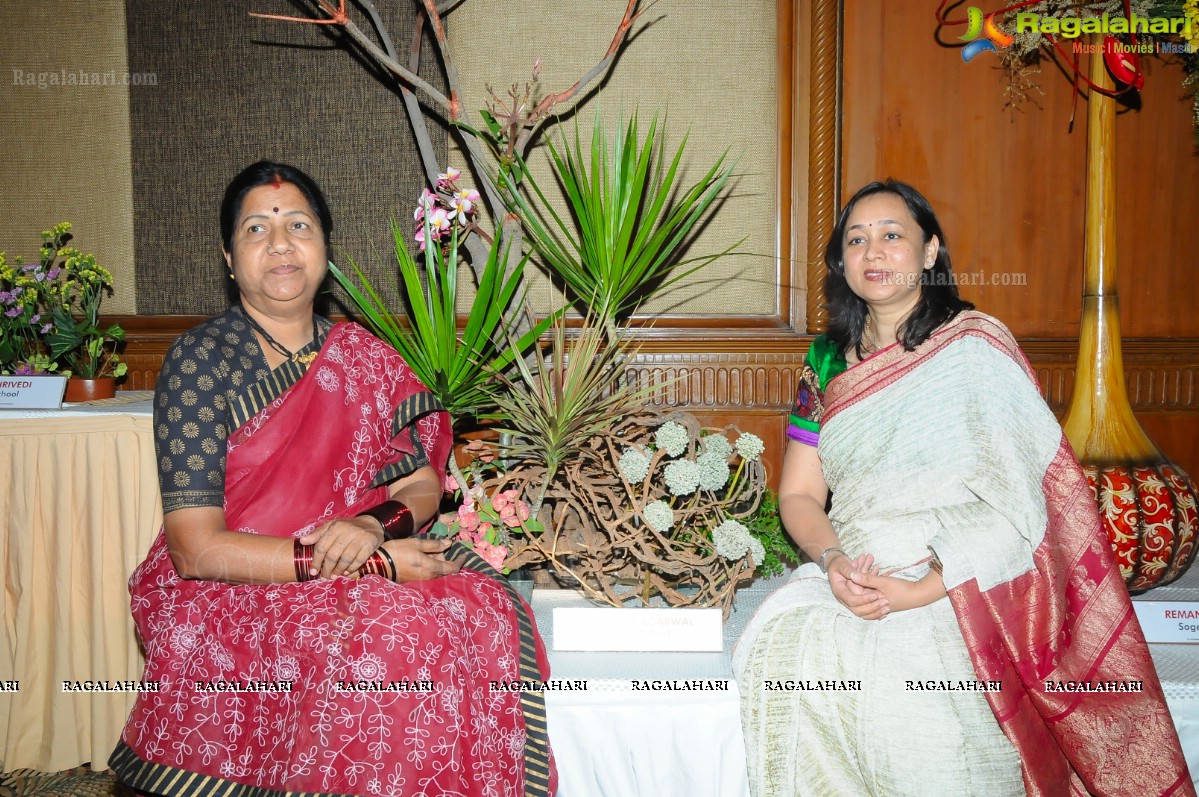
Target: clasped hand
[
  {"x": 342, "y": 546},
  {"x": 856, "y": 583}
]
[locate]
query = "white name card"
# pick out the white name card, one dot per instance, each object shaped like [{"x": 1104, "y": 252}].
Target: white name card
[
  {"x": 638, "y": 629},
  {"x": 31, "y": 392},
  {"x": 1169, "y": 621}
]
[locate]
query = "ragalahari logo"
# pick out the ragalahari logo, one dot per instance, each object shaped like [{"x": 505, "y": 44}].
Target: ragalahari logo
[{"x": 978, "y": 25}]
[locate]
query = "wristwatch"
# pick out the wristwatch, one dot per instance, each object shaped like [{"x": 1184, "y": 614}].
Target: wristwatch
[{"x": 823, "y": 556}]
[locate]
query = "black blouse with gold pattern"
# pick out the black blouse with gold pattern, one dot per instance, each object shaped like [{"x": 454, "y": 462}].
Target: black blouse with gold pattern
[{"x": 205, "y": 372}]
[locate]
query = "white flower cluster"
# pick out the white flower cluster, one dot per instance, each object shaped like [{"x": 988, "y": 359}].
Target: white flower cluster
[
  {"x": 750, "y": 446},
  {"x": 659, "y": 516},
  {"x": 713, "y": 470},
  {"x": 719, "y": 445},
  {"x": 733, "y": 541},
  {"x": 634, "y": 465},
  {"x": 682, "y": 476},
  {"x": 672, "y": 438}
]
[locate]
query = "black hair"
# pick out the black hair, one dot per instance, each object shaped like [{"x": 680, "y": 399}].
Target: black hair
[
  {"x": 266, "y": 173},
  {"x": 939, "y": 300}
]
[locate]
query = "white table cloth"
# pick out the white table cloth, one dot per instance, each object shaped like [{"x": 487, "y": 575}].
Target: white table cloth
[{"x": 612, "y": 740}]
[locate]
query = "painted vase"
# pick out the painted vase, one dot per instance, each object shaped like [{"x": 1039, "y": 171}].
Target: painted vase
[{"x": 1148, "y": 504}]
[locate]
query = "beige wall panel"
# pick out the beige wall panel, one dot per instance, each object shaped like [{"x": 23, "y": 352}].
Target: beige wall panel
[
  {"x": 66, "y": 153},
  {"x": 711, "y": 66}
]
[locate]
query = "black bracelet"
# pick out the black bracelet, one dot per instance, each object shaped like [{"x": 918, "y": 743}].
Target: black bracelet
[
  {"x": 390, "y": 561},
  {"x": 395, "y": 517}
]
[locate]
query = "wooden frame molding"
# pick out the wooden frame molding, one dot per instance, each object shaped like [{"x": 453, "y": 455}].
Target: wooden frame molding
[
  {"x": 1163, "y": 375},
  {"x": 824, "y": 149}
]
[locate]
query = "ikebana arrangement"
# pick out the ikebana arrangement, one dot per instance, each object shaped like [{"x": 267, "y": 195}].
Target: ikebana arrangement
[
  {"x": 50, "y": 313},
  {"x": 617, "y": 498}
]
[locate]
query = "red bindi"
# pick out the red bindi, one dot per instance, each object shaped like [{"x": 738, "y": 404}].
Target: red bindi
[{"x": 276, "y": 210}]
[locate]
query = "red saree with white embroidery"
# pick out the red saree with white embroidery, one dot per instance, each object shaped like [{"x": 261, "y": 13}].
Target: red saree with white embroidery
[{"x": 335, "y": 686}]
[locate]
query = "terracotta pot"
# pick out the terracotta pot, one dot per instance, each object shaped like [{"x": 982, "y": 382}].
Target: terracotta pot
[
  {"x": 90, "y": 389},
  {"x": 1147, "y": 502}
]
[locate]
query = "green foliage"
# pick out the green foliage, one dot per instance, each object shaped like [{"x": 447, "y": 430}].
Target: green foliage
[
  {"x": 566, "y": 398},
  {"x": 629, "y": 216},
  {"x": 50, "y": 312},
  {"x": 766, "y": 525},
  {"x": 456, "y": 367}
]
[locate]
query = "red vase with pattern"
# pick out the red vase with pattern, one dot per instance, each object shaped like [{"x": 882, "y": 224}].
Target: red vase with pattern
[{"x": 1146, "y": 501}]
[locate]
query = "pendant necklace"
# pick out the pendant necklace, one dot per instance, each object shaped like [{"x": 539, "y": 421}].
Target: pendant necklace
[{"x": 303, "y": 359}]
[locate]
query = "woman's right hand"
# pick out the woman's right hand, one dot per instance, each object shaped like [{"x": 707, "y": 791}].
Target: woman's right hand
[
  {"x": 419, "y": 559},
  {"x": 869, "y": 604}
]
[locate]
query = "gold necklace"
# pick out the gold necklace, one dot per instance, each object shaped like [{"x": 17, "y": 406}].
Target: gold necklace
[{"x": 870, "y": 339}]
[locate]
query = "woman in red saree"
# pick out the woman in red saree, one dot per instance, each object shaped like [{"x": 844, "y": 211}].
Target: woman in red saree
[
  {"x": 301, "y": 639},
  {"x": 962, "y": 628}
]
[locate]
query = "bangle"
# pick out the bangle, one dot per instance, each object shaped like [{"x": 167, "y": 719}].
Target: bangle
[
  {"x": 823, "y": 556},
  {"x": 302, "y": 558},
  {"x": 391, "y": 562},
  {"x": 373, "y": 566},
  {"x": 394, "y": 516}
]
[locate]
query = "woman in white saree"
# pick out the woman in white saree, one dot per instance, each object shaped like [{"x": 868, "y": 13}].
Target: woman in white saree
[{"x": 950, "y": 478}]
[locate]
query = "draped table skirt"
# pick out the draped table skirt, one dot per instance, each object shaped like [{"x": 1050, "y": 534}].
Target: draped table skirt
[{"x": 80, "y": 507}]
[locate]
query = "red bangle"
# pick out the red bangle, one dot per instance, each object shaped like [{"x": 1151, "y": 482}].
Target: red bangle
[
  {"x": 377, "y": 565},
  {"x": 395, "y": 517},
  {"x": 302, "y": 557}
]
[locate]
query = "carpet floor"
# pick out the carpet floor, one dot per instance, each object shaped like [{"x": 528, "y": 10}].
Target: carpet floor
[{"x": 79, "y": 781}]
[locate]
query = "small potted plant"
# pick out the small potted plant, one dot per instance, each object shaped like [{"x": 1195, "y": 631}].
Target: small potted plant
[{"x": 50, "y": 314}]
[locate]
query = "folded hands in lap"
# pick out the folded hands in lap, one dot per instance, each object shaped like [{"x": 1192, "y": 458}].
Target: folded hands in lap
[
  {"x": 340, "y": 547},
  {"x": 871, "y": 596}
]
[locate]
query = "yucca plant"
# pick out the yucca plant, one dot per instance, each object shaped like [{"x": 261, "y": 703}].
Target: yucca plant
[
  {"x": 553, "y": 407},
  {"x": 629, "y": 216},
  {"x": 456, "y": 367}
]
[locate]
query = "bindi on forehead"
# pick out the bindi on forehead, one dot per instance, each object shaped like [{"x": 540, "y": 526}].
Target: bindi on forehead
[{"x": 276, "y": 211}]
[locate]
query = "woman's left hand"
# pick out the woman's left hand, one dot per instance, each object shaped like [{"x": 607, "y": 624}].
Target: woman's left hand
[
  {"x": 901, "y": 593},
  {"x": 342, "y": 546}
]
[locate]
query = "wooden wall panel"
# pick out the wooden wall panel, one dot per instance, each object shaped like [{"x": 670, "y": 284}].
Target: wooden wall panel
[
  {"x": 1008, "y": 184},
  {"x": 751, "y": 383}
]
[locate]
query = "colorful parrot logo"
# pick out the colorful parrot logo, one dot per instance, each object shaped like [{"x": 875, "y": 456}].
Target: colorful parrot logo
[{"x": 984, "y": 26}]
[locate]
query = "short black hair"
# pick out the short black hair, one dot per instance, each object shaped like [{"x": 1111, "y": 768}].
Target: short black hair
[
  {"x": 939, "y": 299},
  {"x": 266, "y": 173}
]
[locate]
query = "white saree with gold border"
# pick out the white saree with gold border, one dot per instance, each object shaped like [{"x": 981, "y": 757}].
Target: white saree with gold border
[{"x": 948, "y": 448}]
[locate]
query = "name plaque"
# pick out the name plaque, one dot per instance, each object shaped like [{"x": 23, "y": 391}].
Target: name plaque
[
  {"x": 638, "y": 629},
  {"x": 1168, "y": 621},
  {"x": 31, "y": 392}
]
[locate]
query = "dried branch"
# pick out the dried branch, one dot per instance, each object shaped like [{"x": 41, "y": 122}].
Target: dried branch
[{"x": 596, "y": 532}]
